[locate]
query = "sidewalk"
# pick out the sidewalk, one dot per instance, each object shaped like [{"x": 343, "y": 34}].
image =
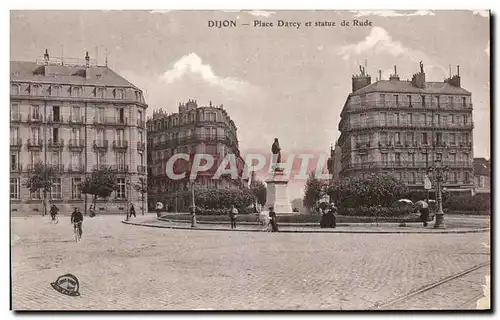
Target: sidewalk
[{"x": 381, "y": 228}]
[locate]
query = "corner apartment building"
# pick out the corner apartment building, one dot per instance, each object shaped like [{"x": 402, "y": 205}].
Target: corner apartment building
[
  {"x": 75, "y": 116},
  {"x": 401, "y": 127},
  {"x": 194, "y": 129},
  {"x": 482, "y": 175}
]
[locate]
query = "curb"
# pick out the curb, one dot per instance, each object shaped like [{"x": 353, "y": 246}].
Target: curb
[{"x": 312, "y": 231}]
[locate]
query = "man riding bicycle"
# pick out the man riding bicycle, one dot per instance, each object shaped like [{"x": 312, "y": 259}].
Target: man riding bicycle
[
  {"x": 53, "y": 212},
  {"x": 77, "y": 219}
]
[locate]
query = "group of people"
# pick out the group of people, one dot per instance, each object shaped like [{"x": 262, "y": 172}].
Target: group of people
[
  {"x": 271, "y": 226},
  {"x": 328, "y": 216},
  {"x": 76, "y": 217}
]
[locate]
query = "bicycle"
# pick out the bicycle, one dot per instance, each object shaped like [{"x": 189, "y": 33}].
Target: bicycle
[
  {"x": 54, "y": 220},
  {"x": 76, "y": 230}
]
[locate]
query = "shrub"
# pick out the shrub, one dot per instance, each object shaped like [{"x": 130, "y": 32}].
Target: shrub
[
  {"x": 376, "y": 211},
  {"x": 467, "y": 202}
]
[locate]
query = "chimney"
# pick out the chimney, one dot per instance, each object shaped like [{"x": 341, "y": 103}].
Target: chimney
[
  {"x": 394, "y": 77},
  {"x": 361, "y": 80},
  {"x": 418, "y": 79},
  {"x": 380, "y": 74},
  {"x": 455, "y": 79},
  {"x": 87, "y": 59},
  {"x": 46, "y": 57}
]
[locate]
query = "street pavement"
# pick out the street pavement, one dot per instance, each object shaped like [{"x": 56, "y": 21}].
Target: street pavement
[{"x": 127, "y": 267}]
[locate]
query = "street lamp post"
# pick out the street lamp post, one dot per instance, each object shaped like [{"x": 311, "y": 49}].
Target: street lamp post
[
  {"x": 440, "y": 174},
  {"x": 193, "y": 207}
]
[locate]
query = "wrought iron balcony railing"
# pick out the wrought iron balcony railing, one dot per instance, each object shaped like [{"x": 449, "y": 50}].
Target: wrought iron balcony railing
[
  {"x": 56, "y": 143},
  {"x": 100, "y": 144},
  {"x": 76, "y": 143},
  {"x": 55, "y": 119},
  {"x": 16, "y": 142},
  {"x": 35, "y": 143},
  {"x": 141, "y": 146},
  {"x": 120, "y": 144},
  {"x": 141, "y": 169}
]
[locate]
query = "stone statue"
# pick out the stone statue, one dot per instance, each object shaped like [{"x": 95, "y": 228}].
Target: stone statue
[
  {"x": 276, "y": 150},
  {"x": 421, "y": 67}
]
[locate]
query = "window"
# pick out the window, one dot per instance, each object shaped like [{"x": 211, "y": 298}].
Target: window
[
  {"x": 14, "y": 111},
  {"x": 76, "y": 192},
  {"x": 450, "y": 101},
  {"x": 75, "y": 135},
  {"x": 118, "y": 94},
  {"x": 424, "y": 138},
  {"x": 397, "y": 137},
  {"x": 438, "y": 119},
  {"x": 55, "y": 91},
  {"x": 383, "y": 117},
  {"x": 35, "y": 157},
  {"x": 410, "y": 118},
  {"x": 438, "y": 102},
  {"x": 141, "y": 137},
  {"x": 211, "y": 149},
  {"x": 397, "y": 158},
  {"x": 452, "y": 117},
  {"x": 76, "y": 160},
  {"x": 214, "y": 132},
  {"x": 35, "y": 90},
  {"x": 35, "y": 112},
  {"x": 100, "y": 92},
  {"x": 14, "y": 134},
  {"x": 14, "y": 160},
  {"x": 453, "y": 176},
  {"x": 56, "y": 158},
  {"x": 396, "y": 116},
  {"x": 15, "y": 90},
  {"x": 76, "y": 113},
  {"x": 411, "y": 159},
  {"x": 465, "y": 119},
  {"x": 14, "y": 188},
  {"x": 36, "y": 195},
  {"x": 464, "y": 102},
  {"x": 396, "y": 98},
  {"x": 138, "y": 96},
  {"x": 100, "y": 135},
  {"x": 409, "y": 100},
  {"x": 55, "y": 189},
  {"x": 76, "y": 92},
  {"x": 445, "y": 120},
  {"x": 120, "y": 160},
  {"x": 411, "y": 178},
  {"x": 409, "y": 137},
  {"x": 385, "y": 159},
  {"x": 453, "y": 138},
  {"x": 423, "y": 100},
  {"x": 453, "y": 157},
  {"x": 467, "y": 177},
  {"x": 100, "y": 114},
  {"x": 139, "y": 117},
  {"x": 35, "y": 134},
  {"x": 101, "y": 159},
  {"x": 120, "y": 193}
]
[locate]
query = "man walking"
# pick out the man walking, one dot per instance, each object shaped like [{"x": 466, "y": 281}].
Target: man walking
[
  {"x": 232, "y": 215},
  {"x": 53, "y": 212},
  {"x": 132, "y": 211},
  {"x": 272, "y": 220}
]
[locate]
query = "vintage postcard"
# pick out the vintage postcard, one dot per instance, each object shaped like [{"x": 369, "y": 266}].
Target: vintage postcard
[{"x": 250, "y": 160}]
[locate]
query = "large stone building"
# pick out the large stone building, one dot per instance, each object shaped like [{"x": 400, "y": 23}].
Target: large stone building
[
  {"x": 402, "y": 127},
  {"x": 193, "y": 130},
  {"x": 77, "y": 117}
]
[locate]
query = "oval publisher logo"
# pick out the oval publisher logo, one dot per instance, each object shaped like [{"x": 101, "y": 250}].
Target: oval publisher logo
[{"x": 67, "y": 284}]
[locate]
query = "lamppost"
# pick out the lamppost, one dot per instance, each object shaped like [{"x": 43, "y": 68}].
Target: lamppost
[
  {"x": 440, "y": 174},
  {"x": 193, "y": 206}
]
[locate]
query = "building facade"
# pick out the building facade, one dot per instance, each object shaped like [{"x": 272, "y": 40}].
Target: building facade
[
  {"x": 482, "y": 175},
  {"x": 193, "y": 130},
  {"x": 75, "y": 116},
  {"x": 401, "y": 127}
]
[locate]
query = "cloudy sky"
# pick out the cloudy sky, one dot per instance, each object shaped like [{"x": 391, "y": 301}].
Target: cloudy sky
[{"x": 275, "y": 82}]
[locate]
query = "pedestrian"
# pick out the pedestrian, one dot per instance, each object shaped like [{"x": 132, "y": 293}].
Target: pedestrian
[
  {"x": 92, "y": 211},
  {"x": 132, "y": 211},
  {"x": 53, "y": 212},
  {"x": 424, "y": 212},
  {"x": 159, "y": 206},
  {"x": 333, "y": 215},
  {"x": 272, "y": 220},
  {"x": 233, "y": 213}
]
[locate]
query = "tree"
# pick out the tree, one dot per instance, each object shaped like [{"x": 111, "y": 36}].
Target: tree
[
  {"x": 373, "y": 190},
  {"x": 42, "y": 178},
  {"x": 314, "y": 190},
  {"x": 100, "y": 184},
  {"x": 140, "y": 187},
  {"x": 259, "y": 191}
]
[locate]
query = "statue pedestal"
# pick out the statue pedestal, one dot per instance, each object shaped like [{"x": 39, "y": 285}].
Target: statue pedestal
[{"x": 277, "y": 194}]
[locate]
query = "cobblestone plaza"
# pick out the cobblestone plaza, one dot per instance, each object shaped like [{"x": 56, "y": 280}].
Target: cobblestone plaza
[{"x": 127, "y": 267}]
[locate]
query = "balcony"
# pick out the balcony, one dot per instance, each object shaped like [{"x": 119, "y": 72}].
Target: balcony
[
  {"x": 101, "y": 167},
  {"x": 55, "y": 119},
  {"x": 35, "y": 143},
  {"x": 405, "y": 165},
  {"x": 15, "y": 117},
  {"x": 141, "y": 169},
  {"x": 34, "y": 118},
  {"x": 120, "y": 168},
  {"x": 57, "y": 167},
  {"x": 76, "y": 168},
  {"x": 56, "y": 144},
  {"x": 16, "y": 167},
  {"x": 119, "y": 122},
  {"x": 404, "y": 124},
  {"x": 141, "y": 123},
  {"x": 110, "y": 122},
  {"x": 16, "y": 143},
  {"x": 120, "y": 144},
  {"x": 101, "y": 145},
  {"x": 141, "y": 146},
  {"x": 76, "y": 119},
  {"x": 76, "y": 144}
]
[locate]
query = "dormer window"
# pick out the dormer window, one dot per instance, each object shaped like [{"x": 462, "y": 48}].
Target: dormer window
[
  {"x": 15, "y": 89},
  {"x": 100, "y": 92},
  {"x": 76, "y": 91},
  {"x": 118, "y": 94},
  {"x": 138, "y": 96},
  {"x": 35, "y": 90},
  {"x": 55, "y": 91}
]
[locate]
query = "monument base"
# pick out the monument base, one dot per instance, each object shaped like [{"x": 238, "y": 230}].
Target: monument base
[{"x": 277, "y": 194}]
